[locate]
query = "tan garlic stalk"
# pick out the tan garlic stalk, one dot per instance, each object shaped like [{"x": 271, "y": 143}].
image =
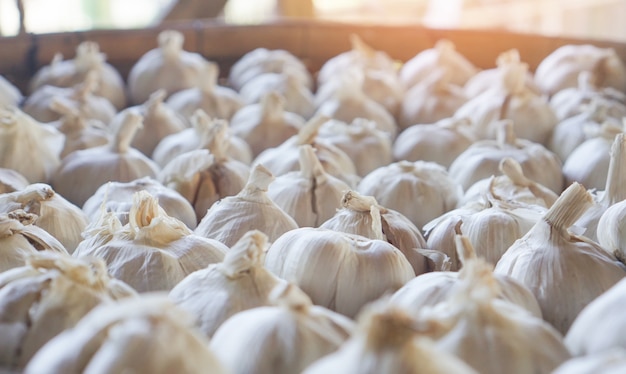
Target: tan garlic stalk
[
  {"x": 284, "y": 337},
  {"x": 11, "y": 181},
  {"x": 21, "y": 135},
  {"x": 267, "y": 124},
  {"x": 441, "y": 142},
  {"x": 610, "y": 362},
  {"x": 9, "y": 94},
  {"x": 240, "y": 282},
  {"x": 346, "y": 262},
  {"x": 147, "y": 334},
  {"x": 251, "y": 209},
  {"x": 310, "y": 196},
  {"x": 564, "y": 271},
  {"x": 82, "y": 172},
  {"x": 163, "y": 247},
  {"x": 482, "y": 159},
  {"x": 48, "y": 294}
]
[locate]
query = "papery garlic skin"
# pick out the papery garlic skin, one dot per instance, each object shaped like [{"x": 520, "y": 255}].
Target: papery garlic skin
[
  {"x": 609, "y": 362},
  {"x": 11, "y": 181},
  {"x": 9, "y": 94},
  {"x": 142, "y": 335},
  {"x": 610, "y": 231}
]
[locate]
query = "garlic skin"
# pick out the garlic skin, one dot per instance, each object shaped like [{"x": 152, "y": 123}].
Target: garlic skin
[
  {"x": 112, "y": 336},
  {"x": 610, "y": 232},
  {"x": 419, "y": 190},
  {"x": 82, "y": 172},
  {"x": 267, "y": 124},
  {"x": 283, "y": 338},
  {"x": 441, "y": 142},
  {"x": 167, "y": 67},
  {"x": 163, "y": 247},
  {"x": 240, "y": 282},
  {"x": 482, "y": 159},
  {"x": 88, "y": 59},
  {"x": 11, "y": 181},
  {"x": 300, "y": 255},
  {"x": 443, "y": 55},
  {"x": 9, "y": 94},
  {"x": 362, "y": 215},
  {"x": 546, "y": 257},
  {"x": 561, "y": 68},
  {"x": 62, "y": 219},
  {"x": 117, "y": 197},
  {"x": 217, "y": 101},
  {"x": 50, "y": 293},
  {"x": 310, "y": 196},
  {"x": 251, "y": 209},
  {"x": 21, "y": 135},
  {"x": 387, "y": 340},
  {"x": 610, "y": 362}
]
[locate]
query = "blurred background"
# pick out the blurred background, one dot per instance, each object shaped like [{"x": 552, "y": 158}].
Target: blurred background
[{"x": 592, "y": 19}]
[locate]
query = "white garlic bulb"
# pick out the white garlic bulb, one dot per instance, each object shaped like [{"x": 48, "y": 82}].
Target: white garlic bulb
[
  {"x": 609, "y": 362},
  {"x": 82, "y": 172},
  {"x": 419, "y": 190},
  {"x": 564, "y": 271},
  {"x": 441, "y": 142},
  {"x": 9, "y": 94},
  {"x": 240, "y": 282},
  {"x": 267, "y": 124},
  {"x": 251, "y": 209},
  {"x": 283, "y": 338},
  {"x": 147, "y": 334},
  {"x": 50, "y": 293},
  {"x": 347, "y": 261},
  {"x": 11, "y": 181},
  {"x": 21, "y": 135},
  {"x": 482, "y": 159},
  {"x": 117, "y": 197},
  {"x": 67, "y": 73},
  {"x": 310, "y": 196},
  {"x": 167, "y": 67},
  {"x": 62, "y": 219},
  {"x": 163, "y": 247}
]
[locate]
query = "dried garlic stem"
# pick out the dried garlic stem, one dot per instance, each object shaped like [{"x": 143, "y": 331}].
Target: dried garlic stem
[
  {"x": 246, "y": 254},
  {"x": 568, "y": 208},
  {"x": 615, "y": 190},
  {"x": 126, "y": 132}
]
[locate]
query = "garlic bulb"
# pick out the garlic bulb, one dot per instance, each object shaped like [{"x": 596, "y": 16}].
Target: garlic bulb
[
  {"x": 298, "y": 98},
  {"x": 285, "y": 158},
  {"x": 442, "y": 56},
  {"x": 610, "y": 230},
  {"x": 11, "y": 181},
  {"x": 19, "y": 238},
  {"x": 560, "y": 69},
  {"x": 117, "y": 197},
  {"x": 588, "y": 163},
  {"x": 565, "y": 272},
  {"x": 251, "y": 209},
  {"x": 310, "y": 196},
  {"x": 598, "y": 327},
  {"x": 262, "y": 61},
  {"x": 217, "y": 101},
  {"x": 346, "y": 261},
  {"x": 21, "y": 135},
  {"x": 482, "y": 159},
  {"x": 367, "y": 146},
  {"x": 419, "y": 190},
  {"x": 59, "y": 73},
  {"x": 80, "y": 97},
  {"x": 266, "y": 124},
  {"x": 9, "y": 94},
  {"x": 362, "y": 215},
  {"x": 437, "y": 287},
  {"x": 240, "y": 282},
  {"x": 492, "y": 335},
  {"x": 284, "y": 338},
  {"x": 62, "y": 219},
  {"x": 47, "y": 295},
  {"x": 163, "y": 247},
  {"x": 80, "y": 132},
  {"x": 511, "y": 185},
  {"x": 167, "y": 67},
  {"x": 146, "y": 334},
  {"x": 82, "y": 172},
  {"x": 609, "y": 362},
  {"x": 159, "y": 121},
  {"x": 441, "y": 142},
  {"x": 530, "y": 112},
  {"x": 387, "y": 340},
  {"x": 431, "y": 100}
]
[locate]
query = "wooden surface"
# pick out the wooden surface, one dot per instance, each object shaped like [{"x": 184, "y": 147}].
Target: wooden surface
[{"x": 313, "y": 41}]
